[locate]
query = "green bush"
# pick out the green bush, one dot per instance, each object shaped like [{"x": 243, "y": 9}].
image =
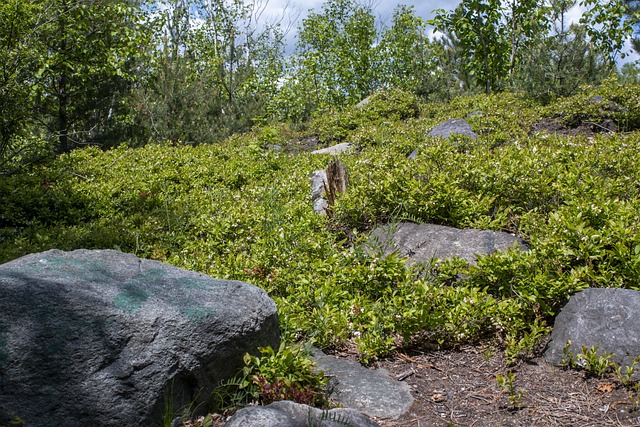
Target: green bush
[
  {"x": 617, "y": 103},
  {"x": 232, "y": 211},
  {"x": 385, "y": 105},
  {"x": 288, "y": 374}
]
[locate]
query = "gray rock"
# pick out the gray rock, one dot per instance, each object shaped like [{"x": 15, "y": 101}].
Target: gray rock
[
  {"x": 103, "y": 338},
  {"x": 371, "y": 392},
  {"x": 274, "y": 147},
  {"x": 446, "y": 129},
  {"x": 453, "y": 126},
  {"x": 335, "y": 149},
  {"x": 320, "y": 206},
  {"x": 290, "y": 414},
  {"x": 318, "y": 180},
  {"x": 309, "y": 143},
  {"x": 607, "y": 318},
  {"x": 424, "y": 242},
  {"x": 609, "y": 125},
  {"x": 364, "y": 102}
]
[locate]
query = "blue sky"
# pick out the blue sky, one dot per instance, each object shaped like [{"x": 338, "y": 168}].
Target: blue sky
[{"x": 383, "y": 10}]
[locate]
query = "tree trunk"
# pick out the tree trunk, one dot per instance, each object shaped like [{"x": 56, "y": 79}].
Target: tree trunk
[
  {"x": 63, "y": 116},
  {"x": 63, "y": 94},
  {"x": 337, "y": 180}
]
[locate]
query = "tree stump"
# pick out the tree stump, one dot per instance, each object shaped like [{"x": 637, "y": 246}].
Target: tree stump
[{"x": 337, "y": 181}]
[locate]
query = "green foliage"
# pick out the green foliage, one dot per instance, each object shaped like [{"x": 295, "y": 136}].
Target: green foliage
[
  {"x": 406, "y": 59},
  {"x": 288, "y": 374},
  {"x": 607, "y": 26},
  {"x": 507, "y": 383},
  {"x": 525, "y": 342},
  {"x": 336, "y": 53},
  {"x": 617, "y": 105},
  {"x": 40, "y": 199},
  {"x": 67, "y": 67},
  {"x": 594, "y": 362},
  {"x": 599, "y": 363},
  {"x": 478, "y": 29},
  {"x": 390, "y": 106},
  {"x": 17, "y": 62},
  {"x": 208, "y": 80},
  {"x": 491, "y": 35},
  {"x": 631, "y": 12},
  {"x": 630, "y": 74},
  {"x": 233, "y": 210},
  {"x": 526, "y": 44},
  {"x": 625, "y": 376},
  {"x": 562, "y": 60}
]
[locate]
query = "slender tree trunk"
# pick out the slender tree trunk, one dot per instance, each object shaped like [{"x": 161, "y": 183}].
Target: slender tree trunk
[
  {"x": 232, "y": 59},
  {"x": 63, "y": 94},
  {"x": 512, "y": 56},
  {"x": 63, "y": 117}
]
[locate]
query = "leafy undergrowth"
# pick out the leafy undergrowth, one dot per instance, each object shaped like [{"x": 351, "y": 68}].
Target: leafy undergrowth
[{"x": 240, "y": 211}]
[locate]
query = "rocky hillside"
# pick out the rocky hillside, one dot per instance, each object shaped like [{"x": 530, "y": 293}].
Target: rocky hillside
[{"x": 564, "y": 179}]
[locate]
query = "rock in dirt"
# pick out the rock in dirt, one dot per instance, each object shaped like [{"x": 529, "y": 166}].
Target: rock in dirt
[
  {"x": 424, "y": 242},
  {"x": 103, "y": 338},
  {"x": 606, "y": 318},
  {"x": 290, "y": 414},
  {"x": 371, "y": 392}
]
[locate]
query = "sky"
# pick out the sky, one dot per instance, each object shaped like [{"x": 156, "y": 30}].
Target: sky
[{"x": 383, "y": 10}]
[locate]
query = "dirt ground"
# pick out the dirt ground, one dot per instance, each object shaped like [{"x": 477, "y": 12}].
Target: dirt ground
[{"x": 459, "y": 388}]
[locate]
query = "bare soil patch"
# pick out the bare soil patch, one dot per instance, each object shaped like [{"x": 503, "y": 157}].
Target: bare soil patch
[
  {"x": 555, "y": 127},
  {"x": 459, "y": 388}
]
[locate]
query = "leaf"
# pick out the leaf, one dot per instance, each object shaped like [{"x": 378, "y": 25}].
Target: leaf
[{"x": 606, "y": 387}]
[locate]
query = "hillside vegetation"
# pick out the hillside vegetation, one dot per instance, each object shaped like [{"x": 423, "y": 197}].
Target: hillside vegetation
[{"x": 239, "y": 210}]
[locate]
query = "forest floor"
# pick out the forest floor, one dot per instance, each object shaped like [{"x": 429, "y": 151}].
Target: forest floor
[{"x": 459, "y": 388}]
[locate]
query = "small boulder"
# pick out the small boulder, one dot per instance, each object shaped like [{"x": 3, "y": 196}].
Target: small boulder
[
  {"x": 104, "y": 338},
  {"x": 605, "y": 318},
  {"x": 364, "y": 102},
  {"x": 371, "y": 392},
  {"x": 290, "y": 414},
  {"x": 318, "y": 182},
  {"x": 453, "y": 127},
  {"x": 448, "y": 128},
  {"x": 423, "y": 242},
  {"x": 335, "y": 149}
]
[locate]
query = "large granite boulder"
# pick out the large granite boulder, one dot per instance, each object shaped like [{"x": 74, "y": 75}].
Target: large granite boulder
[
  {"x": 290, "y": 414},
  {"x": 605, "y": 318},
  {"x": 424, "y": 242},
  {"x": 372, "y": 392},
  {"x": 103, "y": 338}
]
